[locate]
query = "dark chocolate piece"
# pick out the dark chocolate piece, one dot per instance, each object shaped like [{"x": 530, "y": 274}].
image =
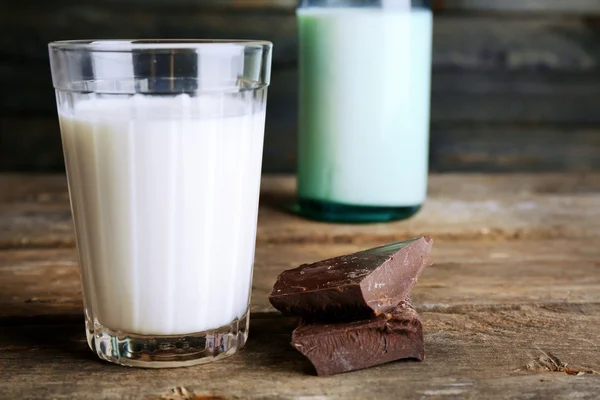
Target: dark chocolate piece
[
  {"x": 353, "y": 286},
  {"x": 343, "y": 347}
]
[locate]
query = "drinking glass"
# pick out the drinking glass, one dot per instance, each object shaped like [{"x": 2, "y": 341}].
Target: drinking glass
[{"x": 163, "y": 148}]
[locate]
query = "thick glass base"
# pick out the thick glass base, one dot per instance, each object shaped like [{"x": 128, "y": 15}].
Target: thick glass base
[
  {"x": 337, "y": 212},
  {"x": 167, "y": 351}
]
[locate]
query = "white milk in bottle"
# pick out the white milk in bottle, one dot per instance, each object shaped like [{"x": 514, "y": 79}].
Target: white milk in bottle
[{"x": 364, "y": 105}]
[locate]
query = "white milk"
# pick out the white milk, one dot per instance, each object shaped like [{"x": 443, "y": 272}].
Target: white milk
[
  {"x": 165, "y": 200},
  {"x": 364, "y": 105}
]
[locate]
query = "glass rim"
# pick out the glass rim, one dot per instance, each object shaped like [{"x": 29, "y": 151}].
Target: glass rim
[{"x": 129, "y": 45}]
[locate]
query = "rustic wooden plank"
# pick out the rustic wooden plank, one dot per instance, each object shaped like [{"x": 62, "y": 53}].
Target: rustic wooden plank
[
  {"x": 503, "y": 319},
  {"x": 454, "y": 147},
  {"x": 469, "y": 356},
  {"x": 459, "y": 207},
  {"x": 30, "y": 188},
  {"x": 492, "y": 97},
  {"x": 553, "y": 64},
  {"x": 40, "y": 189},
  {"x": 36, "y": 26},
  {"x": 516, "y": 119},
  {"x": 505, "y": 97},
  {"x": 548, "y": 43},
  {"x": 486, "y": 70},
  {"x": 538, "y": 43},
  {"x": 536, "y": 6},
  {"x": 220, "y": 5},
  {"x": 462, "y": 147},
  {"x": 455, "y": 213},
  {"x": 38, "y": 283},
  {"x": 476, "y": 96},
  {"x": 514, "y": 148},
  {"x": 573, "y": 7},
  {"x": 488, "y": 335}
]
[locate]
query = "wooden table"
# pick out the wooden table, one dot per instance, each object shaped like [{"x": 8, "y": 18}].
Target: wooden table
[{"x": 511, "y": 308}]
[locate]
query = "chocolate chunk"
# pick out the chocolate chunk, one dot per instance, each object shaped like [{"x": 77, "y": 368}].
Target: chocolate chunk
[
  {"x": 343, "y": 347},
  {"x": 353, "y": 286}
]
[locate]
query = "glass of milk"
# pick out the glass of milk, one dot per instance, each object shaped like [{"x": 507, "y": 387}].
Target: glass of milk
[
  {"x": 365, "y": 71},
  {"x": 163, "y": 148}
]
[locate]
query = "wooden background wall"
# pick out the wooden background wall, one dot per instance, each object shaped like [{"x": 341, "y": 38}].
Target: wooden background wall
[{"x": 516, "y": 83}]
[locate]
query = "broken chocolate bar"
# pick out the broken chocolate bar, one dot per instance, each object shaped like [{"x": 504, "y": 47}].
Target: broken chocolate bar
[
  {"x": 353, "y": 286},
  {"x": 343, "y": 347}
]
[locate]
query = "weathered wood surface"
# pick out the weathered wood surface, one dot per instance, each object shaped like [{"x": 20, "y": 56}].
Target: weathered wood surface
[
  {"x": 533, "y": 71},
  {"x": 479, "y": 43},
  {"x": 521, "y": 353},
  {"x": 513, "y": 317},
  {"x": 34, "y": 211},
  {"x": 585, "y": 7},
  {"x": 474, "y": 41},
  {"x": 481, "y": 275},
  {"x": 514, "y": 148},
  {"x": 466, "y": 147},
  {"x": 520, "y": 6}
]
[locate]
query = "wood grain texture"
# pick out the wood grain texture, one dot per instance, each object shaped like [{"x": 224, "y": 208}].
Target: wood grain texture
[
  {"x": 504, "y": 319},
  {"x": 516, "y": 148},
  {"x": 513, "y": 98},
  {"x": 477, "y": 43},
  {"x": 37, "y": 25},
  {"x": 491, "y": 72},
  {"x": 34, "y": 211},
  {"x": 573, "y": 7},
  {"x": 522, "y": 6},
  {"x": 487, "y": 333},
  {"x": 459, "y": 41},
  {"x": 481, "y": 121},
  {"x": 470, "y": 355},
  {"x": 463, "y": 147},
  {"x": 456, "y": 213},
  {"x": 492, "y": 97},
  {"x": 526, "y": 43},
  {"x": 470, "y": 274},
  {"x": 220, "y": 5}
]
